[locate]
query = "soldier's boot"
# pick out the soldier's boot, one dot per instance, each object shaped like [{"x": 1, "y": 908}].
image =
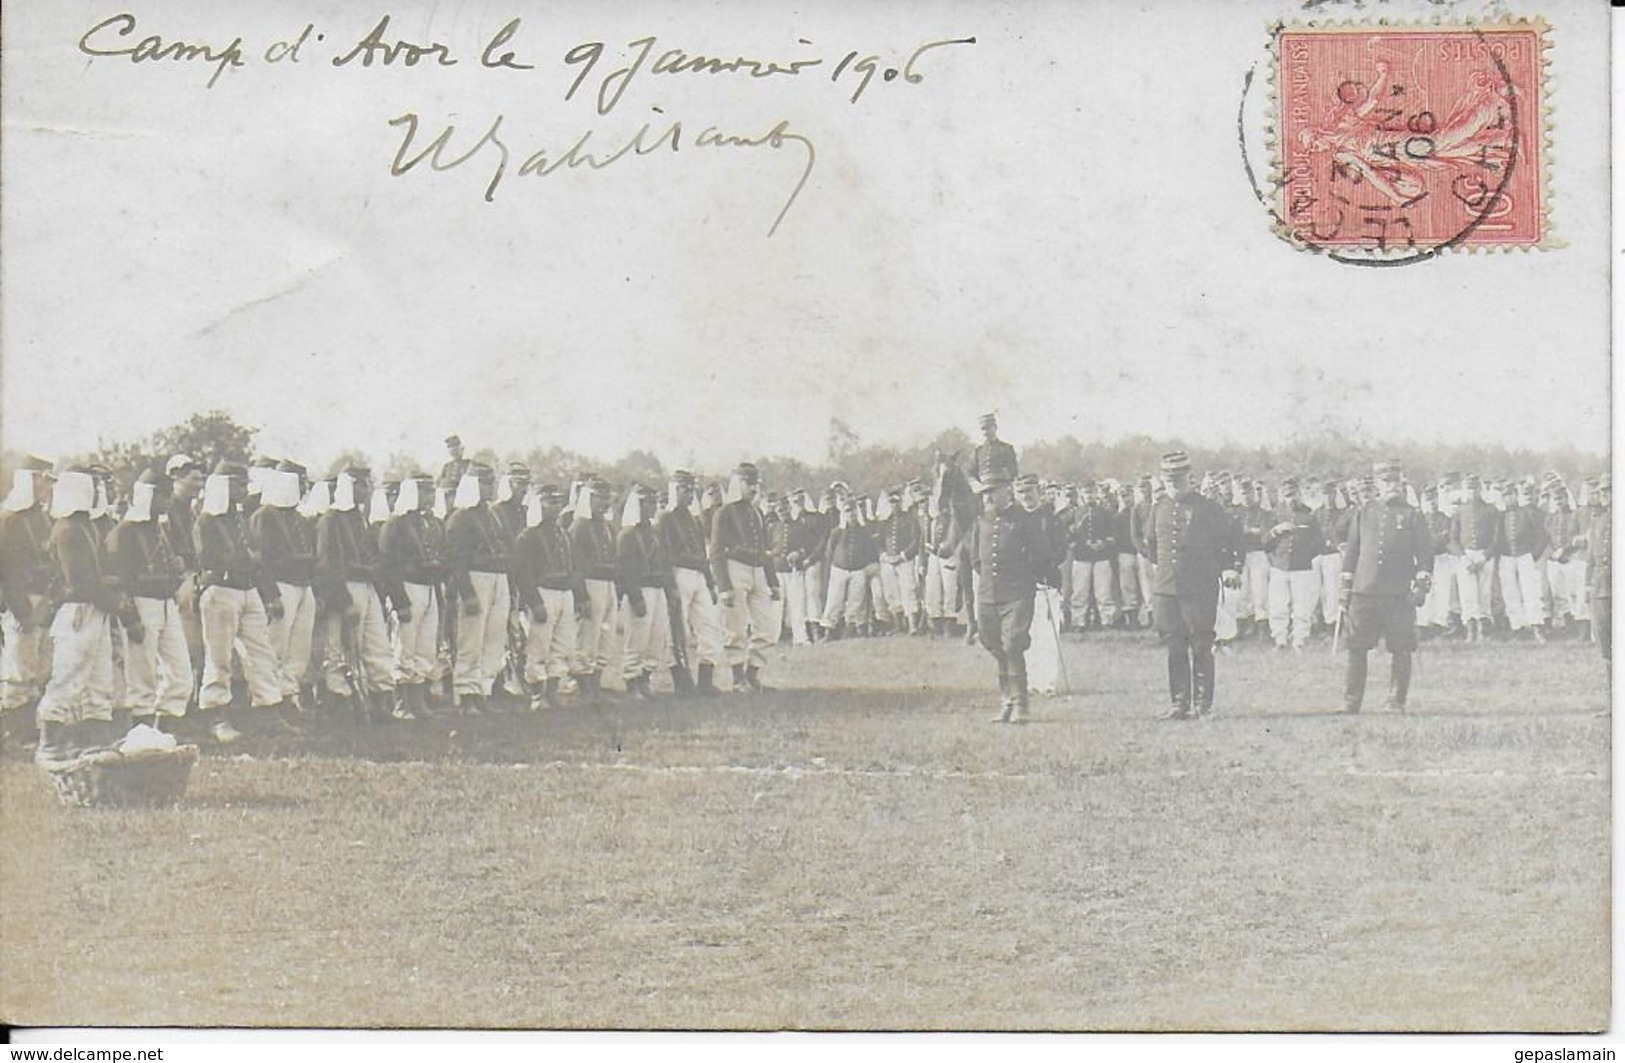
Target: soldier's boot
[
  {"x": 146, "y": 720},
  {"x": 1538, "y": 633},
  {"x": 1582, "y": 630},
  {"x": 1007, "y": 704},
  {"x": 753, "y": 679},
  {"x": 56, "y": 742},
  {"x": 970, "y": 633},
  {"x": 1399, "y": 681},
  {"x": 1179, "y": 683},
  {"x": 1354, "y": 682},
  {"x": 1018, "y": 688},
  {"x": 739, "y": 678},
  {"x": 682, "y": 684},
  {"x": 403, "y": 704},
  {"x": 221, "y": 729},
  {"x": 634, "y": 686},
  {"x": 707, "y": 685},
  {"x": 645, "y": 685},
  {"x": 1203, "y": 671}
]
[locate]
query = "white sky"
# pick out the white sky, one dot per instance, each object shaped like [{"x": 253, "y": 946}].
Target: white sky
[{"x": 1055, "y": 222}]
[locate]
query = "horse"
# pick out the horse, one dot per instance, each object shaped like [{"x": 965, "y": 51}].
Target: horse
[{"x": 953, "y": 509}]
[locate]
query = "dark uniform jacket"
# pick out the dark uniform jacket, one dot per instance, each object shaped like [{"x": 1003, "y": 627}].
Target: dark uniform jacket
[
  {"x": 347, "y": 552},
  {"x": 1192, "y": 541},
  {"x": 475, "y": 542},
  {"x": 851, "y": 548},
  {"x": 138, "y": 554},
  {"x": 1475, "y": 525},
  {"x": 179, "y": 527},
  {"x": 1438, "y": 531},
  {"x": 286, "y": 544},
  {"x": 1094, "y": 523},
  {"x": 1255, "y": 523},
  {"x": 1389, "y": 544},
  {"x": 738, "y": 533},
  {"x": 685, "y": 540},
  {"x": 1012, "y": 553},
  {"x": 413, "y": 549},
  {"x": 543, "y": 559},
  {"x": 1139, "y": 523},
  {"x": 1334, "y": 527},
  {"x": 641, "y": 560},
  {"x": 81, "y": 562},
  {"x": 1564, "y": 534},
  {"x": 790, "y": 544},
  {"x": 1295, "y": 550},
  {"x": 227, "y": 558},
  {"x": 592, "y": 546},
  {"x": 993, "y": 461},
  {"x": 25, "y": 564},
  {"x": 1523, "y": 532},
  {"x": 1600, "y": 544},
  {"x": 898, "y": 536}
]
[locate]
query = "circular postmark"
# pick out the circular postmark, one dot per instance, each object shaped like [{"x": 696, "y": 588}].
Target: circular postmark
[{"x": 1389, "y": 145}]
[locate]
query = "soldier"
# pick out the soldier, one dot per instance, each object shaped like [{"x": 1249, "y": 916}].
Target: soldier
[
  {"x": 897, "y": 537},
  {"x": 236, "y": 606},
  {"x": 948, "y": 523},
  {"x": 286, "y": 543},
  {"x": 157, "y": 669},
  {"x": 512, "y": 488},
  {"x": 1293, "y": 542},
  {"x": 349, "y": 585},
  {"x": 592, "y": 546},
  {"x": 1523, "y": 539},
  {"x": 1565, "y": 560},
  {"x": 456, "y": 466},
  {"x": 1435, "y": 611},
  {"x": 1145, "y": 493},
  {"x": 1130, "y": 597},
  {"x": 993, "y": 460},
  {"x": 1600, "y": 548},
  {"x": 1093, "y": 551},
  {"x": 550, "y": 585},
  {"x": 25, "y": 578},
  {"x": 1043, "y": 668},
  {"x": 789, "y": 540},
  {"x": 1387, "y": 570},
  {"x": 76, "y": 709},
  {"x": 1194, "y": 546},
  {"x": 644, "y": 572},
  {"x": 1334, "y": 517},
  {"x": 695, "y": 598},
  {"x": 746, "y": 583},
  {"x": 478, "y": 558},
  {"x": 1255, "y": 521},
  {"x": 817, "y": 520},
  {"x": 186, "y": 478},
  {"x": 1475, "y": 536},
  {"x": 412, "y": 562},
  {"x": 1009, "y": 555},
  {"x": 847, "y": 551}
]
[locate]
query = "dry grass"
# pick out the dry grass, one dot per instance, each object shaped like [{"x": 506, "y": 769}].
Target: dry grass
[{"x": 877, "y": 856}]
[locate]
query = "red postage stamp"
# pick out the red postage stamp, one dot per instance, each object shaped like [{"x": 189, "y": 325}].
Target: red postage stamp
[{"x": 1394, "y": 140}]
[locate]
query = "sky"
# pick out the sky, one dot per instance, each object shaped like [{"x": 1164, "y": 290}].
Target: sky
[{"x": 1054, "y": 222}]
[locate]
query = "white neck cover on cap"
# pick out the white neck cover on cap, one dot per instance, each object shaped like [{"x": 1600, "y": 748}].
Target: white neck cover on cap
[
  {"x": 75, "y": 493},
  {"x": 583, "y": 506},
  {"x": 217, "y": 495},
  {"x": 140, "y": 510},
  {"x": 736, "y": 489},
  {"x": 533, "y": 512},
  {"x": 468, "y": 492},
  {"x": 22, "y": 492},
  {"x": 632, "y": 512},
  {"x": 407, "y": 500},
  {"x": 883, "y": 508},
  {"x": 343, "y": 493},
  {"x": 317, "y": 500},
  {"x": 378, "y": 505},
  {"x": 504, "y": 488},
  {"x": 442, "y": 506},
  {"x": 281, "y": 489}
]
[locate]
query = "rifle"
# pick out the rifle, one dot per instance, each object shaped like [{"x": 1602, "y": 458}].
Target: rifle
[
  {"x": 450, "y": 613},
  {"x": 353, "y": 668},
  {"x": 514, "y": 657}
]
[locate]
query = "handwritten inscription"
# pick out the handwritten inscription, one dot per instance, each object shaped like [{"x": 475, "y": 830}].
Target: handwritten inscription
[{"x": 105, "y": 37}]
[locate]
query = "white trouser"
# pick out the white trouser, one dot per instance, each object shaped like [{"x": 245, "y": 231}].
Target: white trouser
[
  {"x": 1522, "y": 591},
  {"x": 1224, "y": 618},
  {"x": 1147, "y": 571},
  {"x": 374, "y": 656},
  {"x": 897, "y": 582},
  {"x": 1567, "y": 580},
  {"x": 752, "y": 624},
  {"x": 1130, "y": 593},
  {"x": 1255, "y": 586},
  {"x": 81, "y": 683},
  {"x": 1093, "y": 580},
  {"x": 293, "y": 637},
  {"x": 1436, "y": 610},
  {"x": 482, "y": 640},
  {"x": 813, "y": 607},
  {"x": 1475, "y": 587},
  {"x": 793, "y": 592},
  {"x": 417, "y": 640},
  {"x": 845, "y": 596},
  {"x": 700, "y": 616},
  {"x": 24, "y": 666},
  {"x": 232, "y": 617},
  {"x": 1329, "y": 568},
  {"x": 645, "y": 649},
  {"x": 158, "y": 671},
  {"x": 1292, "y": 604},
  {"x": 550, "y": 648},
  {"x": 880, "y": 608},
  {"x": 596, "y": 630},
  {"x": 941, "y": 587},
  {"x": 1044, "y": 650}
]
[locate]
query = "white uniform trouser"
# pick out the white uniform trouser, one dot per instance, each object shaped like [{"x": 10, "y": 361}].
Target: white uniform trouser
[
  {"x": 371, "y": 633},
  {"x": 81, "y": 683},
  {"x": 596, "y": 630},
  {"x": 1255, "y": 586},
  {"x": 1147, "y": 571},
  {"x": 845, "y": 597},
  {"x": 897, "y": 582},
  {"x": 417, "y": 640},
  {"x": 1523, "y": 592},
  {"x": 1093, "y": 580},
  {"x": 158, "y": 671},
  {"x": 1131, "y": 594},
  {"x": 813, "y": 605},
  {"x": 1224, "y": 618},
  {"x": 232, "y": 617},
  {"x": 752, "y": 624},
  {"x": 645, "y": 649},
  {"x": 1329, "y": 569},
  {"x": 24, "y": 667},
  {"x": 1044, "y": 652},
  {"x": 700, "y": 616},
  {"x": 941, "y": 587},
  {"x": 1436, "y": 610},
  {"x": 1292, "y": 604},
  {"x": 293, "y": 636},
  {"x": 482, "y": 641},
  {"x": 1567, "y": 580},
  {"x": 1475, "y": 587},
  {"x": 793, "y": 593},
  {"x": 880, "y": 606},
  {"x": 550, "y": 648}
]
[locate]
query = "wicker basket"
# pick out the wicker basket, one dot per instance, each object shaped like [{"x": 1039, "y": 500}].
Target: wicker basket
[{"x": 106, "y": 777}]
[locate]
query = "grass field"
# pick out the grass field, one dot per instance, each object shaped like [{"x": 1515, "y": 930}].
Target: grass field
[{"x": 871, "y": 856}]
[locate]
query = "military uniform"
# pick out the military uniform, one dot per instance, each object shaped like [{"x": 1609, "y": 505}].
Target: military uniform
[
  {"x": 26, "y": 574},
  {"x": 1600, "y": 546},
  {"x": 1193, "y": 546},
  {"x": 696, "y": 598},
  {"x": 1564, "y": 562},
  {"x": 157, "y": 667},
  {"x": 350, "y": 585},
  {"x": 286, "y": 543},
  {"x": 1523, "y": 540},
  {"x": 478, "y": 557},
  {"x": 643, "y": 573},
  {"x": 1388, "y": 558},
  {"x": 898, "y": 541},
  {"x": 550, "y": 584},
  {"x": 849, "y": 549},
  {"x": 1094, "y": 549},
  {"x": 1010, "y": 554},
  {"x": 592, "y": 545},
  {"x": 738, "y": 554},
  {"x": 412, "y": 560},
  {"x": 1292, "y": 543},
  {"x": 1475, "y": 537},
  {"x": 993, "y": 461}
]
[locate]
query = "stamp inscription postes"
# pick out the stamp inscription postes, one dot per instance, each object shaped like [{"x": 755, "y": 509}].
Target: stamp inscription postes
[{"x": 1395, "y": 141}]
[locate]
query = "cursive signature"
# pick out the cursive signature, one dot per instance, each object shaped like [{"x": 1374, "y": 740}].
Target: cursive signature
[{"x": 441, "y": 155}]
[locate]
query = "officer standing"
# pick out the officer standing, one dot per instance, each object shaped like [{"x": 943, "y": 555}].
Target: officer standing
[
  {"x": 1009, "y": 554},
  {"x": 549, "y": 588},
  {"x": 993, "y": 461},
  {"x": 412, "y": 562},
  {"x": 1194, "y": 546},
  {"x": 1387, "y": 569},
  {"x": 745, "y": 581}
]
